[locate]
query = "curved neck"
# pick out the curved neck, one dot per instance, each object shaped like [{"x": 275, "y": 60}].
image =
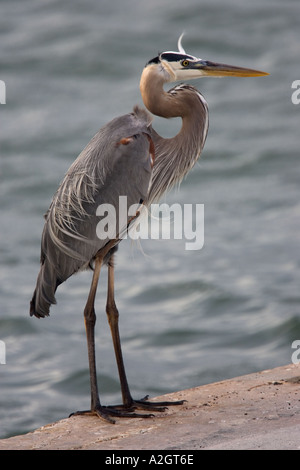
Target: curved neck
[
  {"x": 156, "y": 100},
  {"x": 182, "y": 101},
  {"x": 174, "y": 157}
]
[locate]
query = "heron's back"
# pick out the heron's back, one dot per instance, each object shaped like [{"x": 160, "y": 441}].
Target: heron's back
[{"x": 115, "y": 163}]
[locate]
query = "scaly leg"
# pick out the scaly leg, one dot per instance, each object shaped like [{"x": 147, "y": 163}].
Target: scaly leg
[{"x": 113, "y": 319}]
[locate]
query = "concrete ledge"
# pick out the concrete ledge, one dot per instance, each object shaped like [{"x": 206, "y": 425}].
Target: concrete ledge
[{"x": 256, "y": 411}]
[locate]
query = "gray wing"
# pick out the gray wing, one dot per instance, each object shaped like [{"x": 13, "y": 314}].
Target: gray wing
[{"x": 116, "y": 162}]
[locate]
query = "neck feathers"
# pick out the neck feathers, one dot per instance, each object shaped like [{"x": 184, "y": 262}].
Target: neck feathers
[{"x": 176, "y": 156}]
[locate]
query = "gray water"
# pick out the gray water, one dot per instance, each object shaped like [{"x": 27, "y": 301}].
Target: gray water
[{"x": 187, "y": 317}]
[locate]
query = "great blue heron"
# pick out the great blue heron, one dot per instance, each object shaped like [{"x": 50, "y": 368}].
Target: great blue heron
[{"x": 125, "y": 158}]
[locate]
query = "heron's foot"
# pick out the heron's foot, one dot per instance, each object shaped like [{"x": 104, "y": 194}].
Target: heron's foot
[
  {"x": 145, "y": 404},
  {"x": 128, "y": 411},
  {"x": 109, "y": 412}
]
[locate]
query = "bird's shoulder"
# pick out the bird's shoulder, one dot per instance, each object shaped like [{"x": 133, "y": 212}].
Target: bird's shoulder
[{"x": 104, "y": 149}]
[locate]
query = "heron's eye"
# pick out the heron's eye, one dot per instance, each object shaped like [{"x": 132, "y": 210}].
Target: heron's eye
[{"x": 185, "y": 63}]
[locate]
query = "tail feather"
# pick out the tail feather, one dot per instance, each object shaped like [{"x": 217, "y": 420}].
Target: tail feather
[{"x": 43, "y": 296}]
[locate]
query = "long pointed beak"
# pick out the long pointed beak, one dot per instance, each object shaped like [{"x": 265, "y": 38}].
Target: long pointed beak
[{"x": 213, "y": 69}]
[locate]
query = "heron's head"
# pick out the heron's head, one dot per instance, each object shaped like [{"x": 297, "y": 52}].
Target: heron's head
[{"x": 181, "y": 66}]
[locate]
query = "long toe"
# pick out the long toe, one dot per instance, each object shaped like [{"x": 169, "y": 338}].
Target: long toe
[
  {"x": 160, "y": 405},
  {"x": 145, "y": 404}
]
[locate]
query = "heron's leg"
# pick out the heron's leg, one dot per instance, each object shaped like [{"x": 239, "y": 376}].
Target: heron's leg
[
  {"x": 90, "y": 320},
  {"x": 113, "y": 319}
]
